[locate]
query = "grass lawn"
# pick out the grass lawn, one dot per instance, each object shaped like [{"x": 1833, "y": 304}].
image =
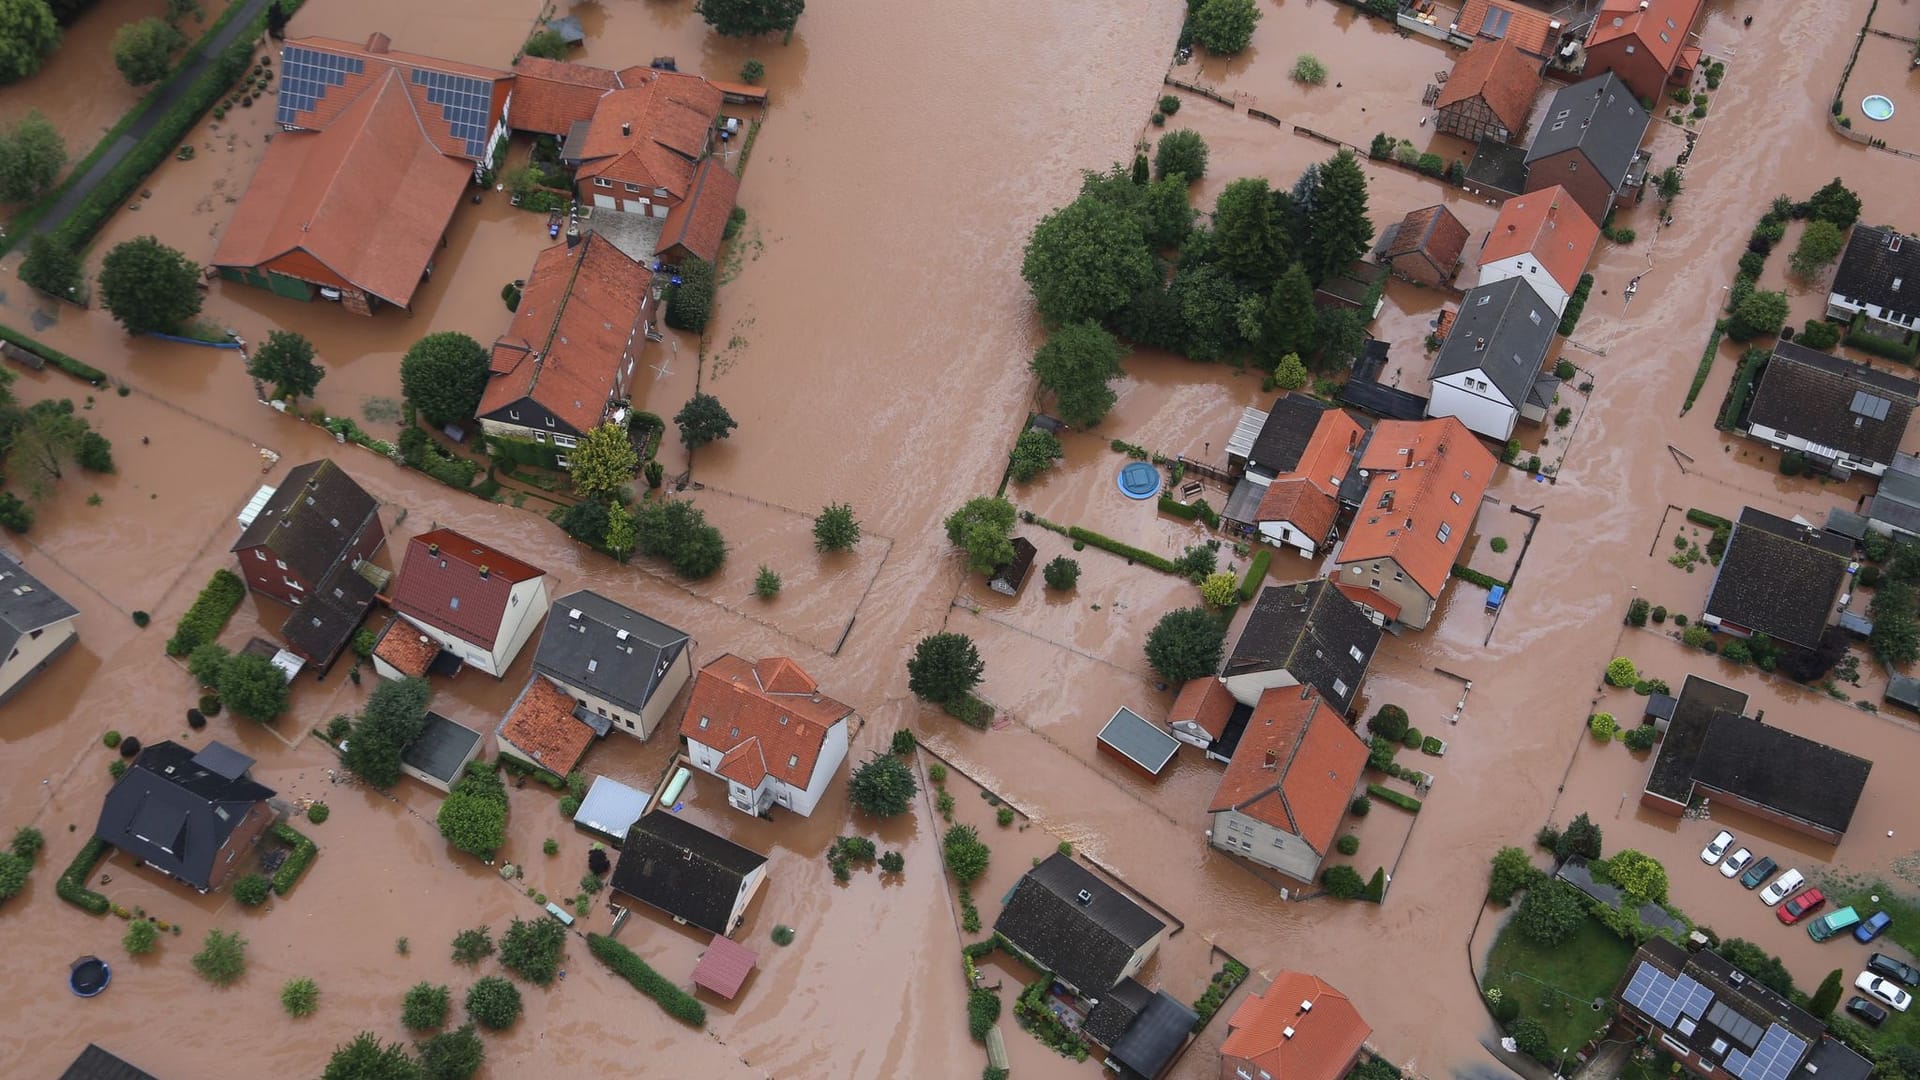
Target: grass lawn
[
  {"x": 1557, "y": 985},
  {"x": 1901, "y": 937}
]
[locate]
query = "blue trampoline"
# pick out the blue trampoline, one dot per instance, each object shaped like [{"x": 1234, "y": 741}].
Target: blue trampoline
[
  {"x": 1139, "y": 480},
  {"x": 88, "y": 976}
]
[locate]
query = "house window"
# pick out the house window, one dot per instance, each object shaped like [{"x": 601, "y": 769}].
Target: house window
[
  {"x": 563, "y": 440},
  {"x": 1535, "y": 316},
  {"x": 733, "y": 733},
  {"x": 1358, "y": 656},
  {"x": 260, "y": 553},
  {"x": 1485, "y": 299},
  {"x": 513, "y": 414},
  {"x": 1446, "y": 530},
  {"x": 793, "y": 761},
  {"x": 454, "y": 603},
  {"x": 549, "y": 421},
  {"x": 279, "y": 563},
  {"x": 1339, "y": 688},
  {"x": 1629, "y": 50},
  {"x": 1456, "y": 498},
  {"x": 634, "y": 188},
  {"x": 601, "y": 181},
  {"x": 36, "y": 634},
  {"x": 783, "y": 721},
  {"x": 540, "y": 437},
  {"x": 703, "y": 723},
  {"x": 661, "y": 192}
]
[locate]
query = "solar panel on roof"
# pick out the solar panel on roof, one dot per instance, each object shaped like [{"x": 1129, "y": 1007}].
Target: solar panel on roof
[
  {"x": 1664, "y": 997},
  {"x": 1738, "y": 1028},
  {"x": 305, "y": 75},
  {"x": 464, "y": 103},
  {"x": 1495, "y": 24},
  {"x": 1870, "y": 406},
  {"x": 1779, "y": 1051}
]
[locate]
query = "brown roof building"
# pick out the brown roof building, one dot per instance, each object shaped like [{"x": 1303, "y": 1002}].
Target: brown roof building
[
  {"x": 1500, "y": 20},
  {"x": 1643, "y": 42},
  {"x": 1489, "y": 93},
  {"x": 542, "y": 730},
  {"x": 550, "y": 96},
  {"x": 1286, "y": 791},
  {"x": 697, "y": 225},
  {"x": 475, "y": 602},
  {"x": 1301, "y": 505},
  {"x": 639, "y": 151},
  {"x": 1544, "y": 238},
  {"x": 1300, "y": 1029},
  {"x": 764, "y": 727},
  {"x": 1425, "y": 246}
]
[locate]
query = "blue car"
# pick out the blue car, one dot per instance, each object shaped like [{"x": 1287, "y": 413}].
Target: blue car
[{"x": 1873, "y": 927}]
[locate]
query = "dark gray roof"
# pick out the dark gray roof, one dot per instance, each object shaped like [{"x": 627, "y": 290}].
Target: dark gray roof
[
  {"x": 1243, "y": 505},
  {"x": 1380, "y": 400},
  {"x": 320, "y": 629},
  {"x": 1671, "y": 776},
  {"x": 312, "y": 519},
  {"x": 1856, "y": 409},
  {"x": 1014, "y": 573},
  {"x": 1903, "y": 691},
  {"x": 25, "y": 604},
  {"x": 569, "y": 29},
  {"x": 1307, "y": 629},
  {"x": 1835, "y": 1061},
  {"x": 1500, "y": 166},
  {"x": 1116, "y": 1012},
  {"x": 1283, "y": 438},
  {"x": 1143, "y": 742},
  {"x": 1870, "y": 268},
  {"x": 1149, "y": 1045},
  {"x": 1086, "y": 943},
  {"x": 1844, "y": 522},
  {"x": 1735, "y": 1019},
  {"x": 1660, "y": 706},
  {"x": 96, "y": 1064},
  {"x": 1785, "y": 772},
  {"x": 1779, "y": 578},
  {"x": 684, "y": 870},
  {"x": 175, "y": 808},
  {"x": 1897, "y": 502},
  {"x": 590, "y": 652},
  {"x": 1600, "y": 117},
  {"x": 1576, "y": 873},
  {"x": 1504, "y": 329},
  {"x": 442, "y": 748}
]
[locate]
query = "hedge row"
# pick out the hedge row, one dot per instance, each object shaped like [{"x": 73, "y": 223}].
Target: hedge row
[
  {"x": 1256, "y": 574},
  {"x": 209, "y": 614},
  {"x": 1880, "y": 346},
  {"x": 1575, "y": 305},
  {"x": 296, "y": 863},
  {"x": 1198, "y": 510},
  {"x": 72, "y": 886},
  {"x": 1107, "y": 543},
  {"x": 625, "y": 963},
  {"x": 1706, "y": 365},
  {"x": 55, "y": 357},
  {"x": 1397, "y": 798},
  {"x": 1706, "y": 520},
  {"x": 1485, "y": 581}
]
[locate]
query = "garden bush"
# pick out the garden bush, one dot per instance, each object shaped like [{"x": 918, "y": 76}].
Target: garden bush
[
  {"x": 493, "y": 1003},
  {"x": 300, "y": 997},
  {"x": 676, "y": 1002},
  {"x": 1347, "y": 845},
  {"x": 424, "y": 1008},
  {"x": 1389, "y": 723},
  {"x": 531, "y": 949},
  {"x": 251, "y": 889},
  {"x": 1342, "y": 882},
  {"x": 71, "y": 886},
  {"x": 209, "y": 614},
  {"x": 1620, "y": 672},
  {"x": 1640, "y": 738},
  {"x": 1601, "y": 725},
  {"x": 1361, "y": 806},
  {"x": 1399, "y": 799},
  {"x": 1411, "y": 740},
  {"x": 318, "y": 813},
  {"x": 222, "y": 958},
  {"x": 1256, "y": 574},
  {"x": 983, "y": 1011},
  {"x": 1637, "y": 611}
]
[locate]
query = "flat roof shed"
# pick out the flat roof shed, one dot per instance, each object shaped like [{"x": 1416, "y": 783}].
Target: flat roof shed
[
  {"x": 1139, "y": 742},
  {"x": 611, "y": 808},
  {"x": 441, "y": 753},
  {"x": 724, "y": 967}
]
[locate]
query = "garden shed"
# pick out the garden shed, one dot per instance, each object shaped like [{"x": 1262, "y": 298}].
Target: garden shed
[
  {"x": 611, "y": 808},
  {"x": 724, "y": 967},
  {"x": 1142, "y": 744}
]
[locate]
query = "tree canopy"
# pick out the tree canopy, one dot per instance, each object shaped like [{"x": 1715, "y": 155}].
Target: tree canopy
[
  {"x": 51, "y": 265},
  {"x": 703, "y": 420},
  {"x": 1085, "y": 261},
  {"x": 603, "y": 462},
  {"x": 28, "y": 34},
  {"x": 143, "y": 50},
  {"x": 944, "y": 667},
  {"x": 1338, "y": 229},
  {"x": 1290, "y": 323},
  {"x": 883, "y": 787},
  {"x": 367, "y": 1058},
  {"x": 149, "y": 286},
  {"x": 286, "y": 361},
  {"x": 750, "y": 18},
  {"x": 443, "y": 376},
  {"x": 1550, "y": 912},
  {"x": 1185, "y": 644},
  {"x": 251, "y": 686},
  {"x": 1836, "y": 203},
  {"x": 1076, "y": 364},
  {"x": 981, "y": 528},
  {"x": 394, "y": 716},
  {"x": 547, "y": 44},
  {"x": 473, "y": 817},
  {"x": 1224, "y": 27},
  {"x": 1640, "y": 876},
  {"x": 1248, "y": 236},
  {"x": 835, "y": 529},
  {"x": 1758, "y": 314},
  {"x": 31, "y": 156}
]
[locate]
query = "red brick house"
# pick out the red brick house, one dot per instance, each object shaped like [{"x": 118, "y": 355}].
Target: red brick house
[
  {"x": 1503, "y": 20},
  {"x": 1489, "y": 93},
  {"x": 1588, "y": 142},
  {"x": 639, "y": 152},
  {"x": 1644, "y": 42},
  {"x": 1300, "y": 1029},
  {"x": 697, "y": 225},
  {"x": 475, "y": 602},
  {"x": 1425, "y": 246},
  {"x": 316, "y": 522}
]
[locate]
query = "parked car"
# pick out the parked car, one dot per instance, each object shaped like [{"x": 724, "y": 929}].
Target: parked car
[
  {"x": 1782, "y": 887},
  {"x": 1712, "y": 852},
  {"x": 1884, "y": 989},
  {"x": 1735, "y": 863},
  {"x": 1875, "y": 925},
  {"x": 1759, "y": 872},
  {"x": 1866, "y": 1010},
  {"x": 1832, "y": 923},
  {"x": 1805, "y": 903},
  {"x": 1882, "y": 964}
]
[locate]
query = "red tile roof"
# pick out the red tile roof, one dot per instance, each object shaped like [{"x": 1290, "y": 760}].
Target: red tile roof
[
  {"x": 724, "y": 967},
  {"x": 406, "y": 649},
  {"x": 1308, "y": 496},
  {"x": 1429, "y": 473},
  {"x": 1500, "y": 74},
  {"x": 368, "y": 197},
  {"x": 1301, "y": 503},
  {"x": 1205, "y": 701},
  {"x": 580, "y": 320},
  {"x": 1432, "y": 231},
  {"x": 698, "y": 223},
  {"x": 1550, "y": 225},
  {"x": 543, "y": 727},
  {"x": 650, "y": 132},
  {"x": 381, "y": 65},
  {"x": 1296, "y": 767},
  {"x": 772, "y": 705},
  {"x": 1523, "y": 26},
  {"x": 1368, "y": 598},
  {"x": 1445, "y": 322},
  {"x": 1658, "y": 26},
  {"x": 550, "y": 96},
  {"x": 1325, "y": 1039},
  {"x": 458, "y": 585}
]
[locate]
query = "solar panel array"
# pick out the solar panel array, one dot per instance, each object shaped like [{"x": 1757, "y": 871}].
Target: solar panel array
[
  {"x": 465, "y": 104},
  {"x": 1870, "y": 406},
  {"x": 1664, "y": 997},
  {"x": 1737, "y": 1027},
  {"x": 1495, "y": 24},
  {"x": 305, "y": 75},
  {"x": 1778, "y": 1053}
]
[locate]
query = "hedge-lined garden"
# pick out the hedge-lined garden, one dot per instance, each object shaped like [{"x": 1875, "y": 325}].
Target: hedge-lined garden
[
  {"x": 627, "y": 964},
  {"x": 302, "y": 851},
  {"x": 209, "y": 614}
]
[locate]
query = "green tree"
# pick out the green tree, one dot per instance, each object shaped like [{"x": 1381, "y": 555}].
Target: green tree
[
  {"x": 142, "y": 937},
  {"x": 981, "y": 528},
  {"x": 1835, "y": 203},
  {"x": 1757, "y": 963},
  {"x": 1581, "y": 838},
  {"x": 1248, "y": 239},
  {"x": 300, "y": 997},
  {"x": 1180, "y": 153},
  {"x": 1512, "y": 871},
  {"x": 883, "y": 787},
  {"x": 1342, "y": 882},
  {"x": 143, "y": 51},
  {"x": 944, "y": 668},
  {"x": 622, "y": 531},
  {"x": 750, "y": 18},
  {"x": 1185, "y": 644},
  {"x": 1290, "y": 373},
  {"x": 1061, "y": 574},
  {"x": 149, "y": 286},
  {"x": 1895, "y": 640},
  {"x": 31, "y": 156},
  {"x": 1342, "y": 338},
  {"x": 251, "y": 686},
  {"x": 1034, "y": 452},
  {"x": 28, "y": 34},
  {"x": 1825, "y": 998},
  {"x": 1086, "y": 260},
  {"x": 1209, "y": 299},
  {"x": 473, "y": 817},
  {"x": 1550, "y": 912},
  {"x": 1076, "y": 365},
  {"x": 1166, "y": 217},
  {"x": 222, "y": 958},
  {"x": 1339, "y": 230},
  {"x": 547, "y": 44},
  {"x": 94, "y": 453},
  {"x": 252, "y": 889},
  {"x": 286, "y": 361},
  {"x": 1530, "y": 1037},
  {"x": 178, "y": 10},
  {"x": 752, "y": 72},
  {"x": 690, "y": 302},
  {"x": 51, "y": 265},
  {"x": 1621, "y": 672},
  {"x": 1290, "y": 322},
  {"x": 603, "y": 462},
  {"x": 394, "y": 716},
  {"x": 1224, "y": 27},
  {"x": 452, "y": 1055},
  {"x": 16, "y": 516},
  {"x": 27, "y": 842},
  {"x": 1221, "y": 589},
  {"x": 531, "y": 949},
  {"x": 1640, "y": 876},
  {"x": 834, "y": 528},
  {"x": 965, "y": 854},
  {"x": 1309, "y": 69},
  {"x": 367, "y": 1058},
  {"x": 424, "y": 1008},
  {"x": 472, "y": 946},
  {"x": 443, "y": 376},
  {"x": 703, "y": 420},
  {"x": 1758, "y": 314},
  {"x": 1390, "y": 723},
  {"x": 494, "y": 1003},
  {"x": 1670, "y": 183},
  {"x": 48, "y": 434},
  {"x": 1820, "y": 244},
  {"x": 13, "y": 874}
]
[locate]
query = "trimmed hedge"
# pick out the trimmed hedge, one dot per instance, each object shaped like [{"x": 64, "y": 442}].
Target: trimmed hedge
[
  {"x": 209, "y": 614},
  {"x": 1198, "y": 510},
  {"x": 1399, "y": 799},
  {"x": 1575, "y": 305},
  {"x": 1708, "y": 521},
  {"x": 1485, "y": 581},
  {"x": 627, "y": 964},
  {"x": 303, "y": 852},
  {"x": 1706, "y": 365},
  {"x": 72, "y": 886},
  {"x": 1256, "y": 574},
  {"x": 55, "y": 357},
  {"x": 1107, "y": 543}
]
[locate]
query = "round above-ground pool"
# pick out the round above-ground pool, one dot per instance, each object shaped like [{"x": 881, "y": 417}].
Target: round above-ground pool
[
  {"x": 88, "y": 976},
  {"x": 1877, "y": 107},
  {"x": 1139, "y": 480}
]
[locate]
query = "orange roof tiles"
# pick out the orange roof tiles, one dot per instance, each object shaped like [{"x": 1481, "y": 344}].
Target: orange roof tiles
[
  {"x": 1498, "y": 73},
  {"x": 698, "y": 222},
  {"x": 1296, "y": 767},
  {"x": 772, "y": 705},
  {"x": 542, "y": 726},
  {"x": 368, "y": 197},
  {"x": 567, "y": 349},
  {"x": 1301, "y": 503},
  {"x": 1433, "y": 230},
  {"x": 650, "y": 132},
  {"x": 1445, "y": 323},
  {"x": 1325, "y": 1039},
  {"x": 406, "y": 649},
  {"x": 380, "y": 66},
  {"x": 550, "y": 96},
  {"x": 1307, "y": 496},
  {"x": 1205, "y": 702},
  {"x": 1548, "y": 224},
  {"x": 1523, "y": 26},
  {"x": 1658, "y": 26},
  {"x": 1427, "y": 477}
]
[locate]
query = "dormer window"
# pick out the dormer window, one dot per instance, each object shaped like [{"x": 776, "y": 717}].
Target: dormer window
[
  {"x": 454, "y": 603},
  {"x": 793, "y": 761},
  {"x": 1446, "y": 531},
  {"x": 1456, "y": 498}
]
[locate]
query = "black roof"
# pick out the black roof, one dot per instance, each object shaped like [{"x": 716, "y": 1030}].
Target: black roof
[
  {"x": 1897, "y": 501},
  {"x": 1085, "y": 943},
  {"x": 1309, "y": 630},
  {"x": 1779, "y": 578},
  {"x": 1671, "y": 776},
  {"x": 176, "y": 808},
  {"x": 1602, "y": 118},
  {"x": 1283, "y": 438},
  {"x": 442, "y": 748},
  {"x": 1735, "y": 1019},
  {"x": 1856, "y": 409},
  {"x": 1660, "y": 706},
  {"x": 1836, "y": 1061},
  {"x": 1504, "y": 329},
  {"x": 320, "y": 629},
  {"x": 25, "y": 604},
  {"x": 1381, "y": 400},
  {"x": 1872, "y": 272},
  {"x": 1116, "y": 1012},
  {"x": 1156, "y": 1035},
  {"x": 1500, "y": 166},
  {"x": 609, "y": 649},
  {"x": 96, "y": 1064},
  {"x": 1782, "y": 771},
  {"x": 684, "y": 870},
  {"x": 312, "y": 519},
  {"x": 1014, "y": 573}
]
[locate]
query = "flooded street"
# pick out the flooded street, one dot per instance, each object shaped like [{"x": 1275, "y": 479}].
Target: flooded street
[{"x": 871, "y": 338}]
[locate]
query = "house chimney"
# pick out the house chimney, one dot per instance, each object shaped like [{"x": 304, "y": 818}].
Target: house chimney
[
  {"x": 1306, "y": 1006},
  {"x": 1286, "y": 1033},
  {"x": 1480, "y": 345},
  {"x": 1273, "y": 758},
  {"x": 379, "y": 43},
  {"x": 1085, "y": 897},
  {"x": 485, "y": 571},
  {"x": 433, "y": 549},
  {"x": 626, "y": 127}
]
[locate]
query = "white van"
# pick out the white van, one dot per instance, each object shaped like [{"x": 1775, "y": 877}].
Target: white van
[{"x": 1782, "y": 887}]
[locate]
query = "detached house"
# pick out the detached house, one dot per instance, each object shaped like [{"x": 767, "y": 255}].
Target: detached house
[
  {"x": 305, "y": 547},
  {"x": 1588, "y": 143},
  {"x": 643, "y": 144},
  {"x": 1847, "y": 417},
  {"x": 36, "y": 626},
  {"x": 1879, "y": 282},
  {"x": 1644, "y": 43},
  {"x": 1544, "y": 239},
  {"x": 1063, "y": 918},
  {"x": 546, "y": 730},
  {"x": 695, "y": 877},
  {"x": 1301, "y": 1028},
  {"x": 1305, "y": 634},
  {"x": 1489, "y": 93},
  {"x": 564, "y": 365},
  {"x": 618, "y": 664},
  {"x": 1779, "y": 578},
  {"x": 1425, "y": 479},
  {"x": 764, "y": 727},
  {"x": 1301, "y": 505},
  {"x": 476, "y": 603},
  {"x": 188, "y": 814},
  {"x": 1284, "y": 794},
  {"x": 1488, "y": 370},
  {"x": 1424, "y": 246}
]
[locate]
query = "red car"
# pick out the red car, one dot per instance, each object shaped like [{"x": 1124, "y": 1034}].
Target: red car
[{"x": 1801, "y": 906}]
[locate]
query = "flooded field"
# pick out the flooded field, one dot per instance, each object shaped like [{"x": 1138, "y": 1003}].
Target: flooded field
[{"x": 889, "y": 195}]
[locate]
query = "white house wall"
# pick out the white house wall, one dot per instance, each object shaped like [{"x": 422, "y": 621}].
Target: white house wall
[
  {"x": 1482, "y": 411},
  {"x": 1528, "y": 269},
  {"x": 1259, "y": 842},
  {"x": 1287, "y": 534},
  {"x": 30, "y": 652},
  {"x": 833, "y": 751},
  {"x": 526, "y": 605}
]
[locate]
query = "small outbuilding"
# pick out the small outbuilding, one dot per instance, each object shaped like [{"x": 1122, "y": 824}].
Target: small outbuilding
[
  {"x": 1143, "y": 745},
  {"x": 441, "y": 753},
  {"x": 611, "y": 808},
  {"x": 724, "y": 967},
  {"x": 1903, "y": 692},
  {"x": 1013, "y": 574}
]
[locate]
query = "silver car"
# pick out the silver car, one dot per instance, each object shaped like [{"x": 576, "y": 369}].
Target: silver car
[
  {"x": 1712, "y": 852},
  {"x": 1735, "y": 863}
]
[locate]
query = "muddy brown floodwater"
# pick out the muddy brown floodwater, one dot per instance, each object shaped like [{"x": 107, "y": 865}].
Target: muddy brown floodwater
[{"x": 871, "y": 339}]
